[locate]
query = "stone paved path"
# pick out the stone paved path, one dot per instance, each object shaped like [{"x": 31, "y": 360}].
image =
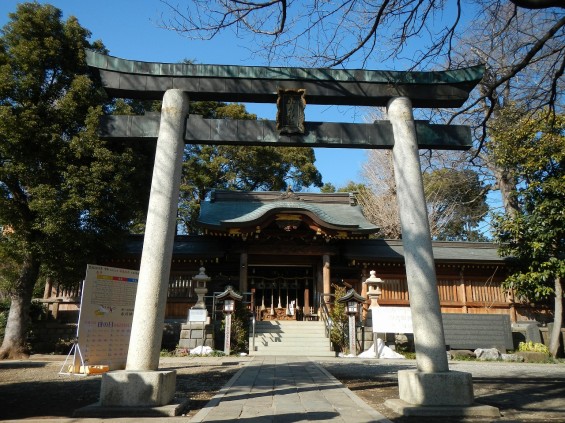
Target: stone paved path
[{"x": 286, "y": 389}]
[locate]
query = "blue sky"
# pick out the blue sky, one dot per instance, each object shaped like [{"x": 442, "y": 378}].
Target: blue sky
[{"x": 129, "y": 29}]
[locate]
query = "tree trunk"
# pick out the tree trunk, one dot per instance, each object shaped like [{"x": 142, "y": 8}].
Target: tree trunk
[
  {"x": 14, "y": 345},
  {"x": 555, "y": 336},
  {"x": 507, "y": 186}
]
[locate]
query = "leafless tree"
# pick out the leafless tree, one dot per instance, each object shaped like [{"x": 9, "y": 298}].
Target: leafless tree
[
  {"x": 379, "y": 200},
  {"x": 422, "y": 34},
  {"x": 524, "y": 54},
  {"x": 534, "y": 88}
]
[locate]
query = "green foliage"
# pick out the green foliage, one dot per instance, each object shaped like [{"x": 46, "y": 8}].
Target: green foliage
[
  {"x": 535, "y": 149},
  {"x": 167, "y": 353},
  {"x": 340, "y": 327},
  {"x": 408, "y": 355},
  {"x": 531, "y": 346},
  {"x": 328, "y": 188},
  {"x": 66, "y": 196},
  {"x": 352, "y": 187}
]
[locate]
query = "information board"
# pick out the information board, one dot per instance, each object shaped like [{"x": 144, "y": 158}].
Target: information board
[
  {"x": 197, "y": 315},
  {"x": 106, "y": 314},
  {"x": 392, "y": 320}
]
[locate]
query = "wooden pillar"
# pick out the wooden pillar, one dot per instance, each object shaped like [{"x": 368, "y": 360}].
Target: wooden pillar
[
  {"x": 48, "y": 292},
  {"x": 319, "y": 286},
  {"x": 326, "y": 276},
  {"x": 243, "y": 273},
  {"x": 365, "y": 305},
  {"x": 462, "y": 290},
  {"x": 306, "y": 297}
]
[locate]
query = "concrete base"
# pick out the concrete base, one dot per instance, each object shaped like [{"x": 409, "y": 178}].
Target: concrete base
[
  {"x": 436, "y": 389},
  {"x": 474, "y": 410},
  {"x": 98, "y": 411},
  {"x": 125, "y": 388}
]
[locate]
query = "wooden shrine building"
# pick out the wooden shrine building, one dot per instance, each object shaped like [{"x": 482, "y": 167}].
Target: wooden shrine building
[{"x": 289, "y": 248}]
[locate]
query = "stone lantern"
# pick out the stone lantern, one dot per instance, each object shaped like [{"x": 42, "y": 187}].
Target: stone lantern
[
  {"x": 198, "y": 312},
  {"x": 198, "y": 331},
  {"x": 373, "y": 288},
  {"x": 352, "y": 300}
]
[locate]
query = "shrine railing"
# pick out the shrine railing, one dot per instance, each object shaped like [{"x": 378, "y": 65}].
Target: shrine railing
[{"x": 325, "y": 314}]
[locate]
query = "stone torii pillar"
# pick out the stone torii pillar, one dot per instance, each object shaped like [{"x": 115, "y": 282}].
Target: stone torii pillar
[
  {"x": 141, "y": 384},
  {"x": 432, "y": 384}
]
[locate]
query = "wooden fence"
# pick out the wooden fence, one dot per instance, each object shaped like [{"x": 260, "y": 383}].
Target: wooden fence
[{"x": 472, "y": 296}]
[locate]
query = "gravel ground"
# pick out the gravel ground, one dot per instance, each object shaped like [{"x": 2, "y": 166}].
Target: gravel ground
[
  {"x": 523, "y": 392},
  {"x": 33, "y": 389}
]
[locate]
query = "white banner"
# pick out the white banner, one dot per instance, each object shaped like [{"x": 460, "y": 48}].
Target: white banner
[
  {"x": 392, "y": 320},
  {"x": 106, "y": 314}
]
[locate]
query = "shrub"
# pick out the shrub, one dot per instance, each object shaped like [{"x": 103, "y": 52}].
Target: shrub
[
  {"x": 340, "y": 328},
  {"x": 533, "y": 347}
]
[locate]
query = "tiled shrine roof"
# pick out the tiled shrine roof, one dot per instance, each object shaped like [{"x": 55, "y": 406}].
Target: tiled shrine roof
[{"x": 229, "y": 209}]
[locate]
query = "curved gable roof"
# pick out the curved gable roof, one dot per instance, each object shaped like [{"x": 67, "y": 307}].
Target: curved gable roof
[{"x": 228, "y": 210}]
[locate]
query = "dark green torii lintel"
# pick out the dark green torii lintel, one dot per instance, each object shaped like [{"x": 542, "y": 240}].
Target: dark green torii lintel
[
  {"x": 263, "y": 132},
  {"x": 260, "y": 84}
]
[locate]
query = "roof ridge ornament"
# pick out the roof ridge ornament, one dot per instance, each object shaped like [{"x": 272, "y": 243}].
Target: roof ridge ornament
[{"x": 289, "y": 194}]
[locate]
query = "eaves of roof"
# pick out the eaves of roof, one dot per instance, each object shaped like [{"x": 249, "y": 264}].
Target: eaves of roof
[{"x": 456, "y": 252}]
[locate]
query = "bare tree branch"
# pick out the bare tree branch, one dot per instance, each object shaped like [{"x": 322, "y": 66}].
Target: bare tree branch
[
  {"x": 428, "y": 34},
  {"x": 489, "y": 91}
]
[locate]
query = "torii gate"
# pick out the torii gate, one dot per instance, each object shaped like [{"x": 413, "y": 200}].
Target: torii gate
[{"x": 432, "y": 384}]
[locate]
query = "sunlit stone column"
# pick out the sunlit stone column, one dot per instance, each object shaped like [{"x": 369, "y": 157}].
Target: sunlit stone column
[
  {"x": 432, "y": 384},
  {"x": 151, "y": 298},
  {"x": 416, "y": 240}
]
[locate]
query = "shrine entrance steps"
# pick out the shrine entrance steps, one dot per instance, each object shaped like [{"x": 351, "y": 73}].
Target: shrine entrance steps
[{"x": 290, "y": 338}]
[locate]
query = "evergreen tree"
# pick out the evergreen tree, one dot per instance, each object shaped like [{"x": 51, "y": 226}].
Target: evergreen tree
[
  {"x": 535, "y": 235},
  {"x": 65, "y": 196}
]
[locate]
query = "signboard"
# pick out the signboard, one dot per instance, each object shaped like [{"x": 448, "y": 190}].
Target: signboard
[
  {"x": 197, "y": 315},
  {"x": 106, "y": 314},
  {"x": 392, "y": 320}
]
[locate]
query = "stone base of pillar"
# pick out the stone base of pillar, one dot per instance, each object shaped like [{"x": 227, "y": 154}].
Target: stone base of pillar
[
  {"x": 128, "y": 388},
  {"x": 126, "y": 393},
  {"x": 437, "y": 394},
  {"x": 474, "y": 410}
]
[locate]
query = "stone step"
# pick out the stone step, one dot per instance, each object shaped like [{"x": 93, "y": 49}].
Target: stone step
[
  {"x": 295, "y": 353},
  {"x": 290, "y": 325},
  {"x": 291, "y": 338},
  {"x": 325, "y": 352},
  {"x": 279, "y": 336},
  {"x": 290, "y": 346},
  {"x": 286, "y": 333}
]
